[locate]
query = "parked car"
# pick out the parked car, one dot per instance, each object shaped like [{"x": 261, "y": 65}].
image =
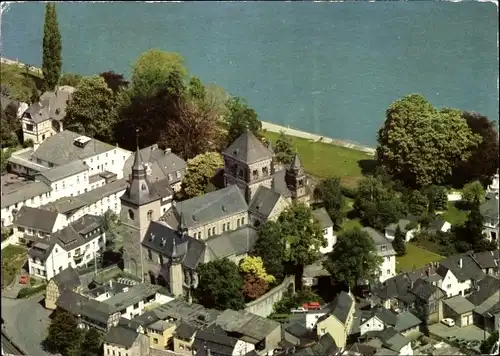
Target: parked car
[
  {"x": 299, "y": 310},
  {"x": 24, "y": 279},
  {"x": 311, "y": 306},
  {"x": 448, "y": 322}
]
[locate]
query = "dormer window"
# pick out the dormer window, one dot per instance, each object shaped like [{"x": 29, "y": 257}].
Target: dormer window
[
  {"x": 383, "y": 248},
  {"x": 143, "y": 186}
]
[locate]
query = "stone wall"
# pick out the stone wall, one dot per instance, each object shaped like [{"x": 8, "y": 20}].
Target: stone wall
[
  {"x": 263, "y": 306},
  {"x": 8, "y": 241}
]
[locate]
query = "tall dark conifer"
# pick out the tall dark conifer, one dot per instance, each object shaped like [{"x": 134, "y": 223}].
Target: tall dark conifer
[{"x": 51, "y": 61}]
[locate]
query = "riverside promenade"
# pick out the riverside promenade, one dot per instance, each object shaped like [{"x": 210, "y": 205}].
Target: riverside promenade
[
  {"x": 316, "y": 138},
  {"x": 13, "y": 62}
]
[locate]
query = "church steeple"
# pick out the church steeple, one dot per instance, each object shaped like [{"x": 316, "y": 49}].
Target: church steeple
[{"x": 138, "y": 168}]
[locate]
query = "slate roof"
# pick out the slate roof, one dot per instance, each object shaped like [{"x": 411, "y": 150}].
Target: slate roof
[
  {"x": 490, "y": 305},
  {"x": 234, "y": 242},
  {"x": 279, "y": 184},
  {"x": 405, "y": 321},
  {"x": 248, "y": 324},
  {"x": 489, "y": 209},
  {"x": 212, "y": 206},
  {"x": 377, "y": 236},
  {"x": 185, "y": 331},
  {"x": 459, "y": 304},
  {"x": 423, "y": 289},
  {"x": 325, "y": 346},
  {"x": 341, "y": 306},
  {"x": 68, "y": 278},
  {"x": 392, "y": 339},
  {"x": 264, "y": 201},
  {"x": 134, "y": 295},
  {"x": 487, "y": 259},
  {"x": 469, "y": 270},
  {"x": 36, "y": 218},
  {"x": 23, "y": 193},
  {"x": 77, "y": 304},
  {"x": 52, "y": 105},
  {"x": 162, "y": 239},
  {"x": 121, "y": 336},
  {"x": 160, "y": 163},
  {"x": 486, "y": 288},
  {"x": 64, "y": 171},
  {"x": 297, "y": 330},
  {"x": 215, "y": 341},
  {"x": 403, "y": 223},
  {"x": 248, "y": 149},
  {"x": 60, "y": 149},
  {"x": 323, "y": 218},
  {"x": 436, "y": 225},
  {"x": 387, "y": 316}
]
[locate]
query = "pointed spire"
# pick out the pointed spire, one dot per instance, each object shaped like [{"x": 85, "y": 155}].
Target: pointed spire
[
  {"x": 182, "y": 224},
  {"x": 296, "y": 163},
  {"x": 137, "y": 166},
  {"x": 175, "y": 253}
]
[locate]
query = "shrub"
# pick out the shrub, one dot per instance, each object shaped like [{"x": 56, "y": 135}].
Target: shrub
[
  {"x": 349, "y": 192},
  {"x": 30, "y": 291}
]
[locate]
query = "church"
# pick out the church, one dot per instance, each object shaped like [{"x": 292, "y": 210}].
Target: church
[{"x": 166, "y": 248}]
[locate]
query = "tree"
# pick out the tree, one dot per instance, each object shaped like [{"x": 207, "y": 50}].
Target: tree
[
  {"x": 255, "y": 266},
  {"x": 241, "y": 118},
  {"x": 92, "y": 110},
  {"x": 71, "y": 79},
  {"x": 152, "y": 73},
  {"x": 487, "y": 345},
  {"x": 51, "y": 59},
  {"x": 283, "y": 149},
  {"x": 63, "y": 333},
  {"x": 216, "y": 98},
  {"x": 114, "y": 81},
  {"x": 329, "y": 192},
  {"x": 270, "y": 246},
  {"x": 354, "y": 258},
  {"x": 303, "y": 236},
  {"x": 438, "y": 198},
  {"x": 472, "y": 231},
  {"x": 92, "y": 343},
  {"x": 473, "y": 191},
  {"x": 11, "y": 126},
  {"x": 417, "y": 203},
  {"x": 416, "y": 144},
  {"x": 196, "y": 90},
  {"x": 4, "y": 159},
  {"x": 399, "y": 242},
  {"x": 254, "y": 287},
  {"x": 483, "y": 162},
  {"x": 200, "y": 170},
  {"x": 220, "y": 285},
  {"x": 113, "y": 228}
]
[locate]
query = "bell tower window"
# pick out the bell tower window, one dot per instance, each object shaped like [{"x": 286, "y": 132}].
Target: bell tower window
[
  {"x": 150, "y": 215},
  {"x": 130, "y": 214}
]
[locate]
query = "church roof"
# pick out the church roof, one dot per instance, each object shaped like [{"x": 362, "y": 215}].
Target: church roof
[
  {"x": 296, "y": 163},
  {"x": 248, "y": 149}
]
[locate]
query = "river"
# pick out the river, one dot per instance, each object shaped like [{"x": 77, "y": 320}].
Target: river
[{"x": 327, "y": 68}]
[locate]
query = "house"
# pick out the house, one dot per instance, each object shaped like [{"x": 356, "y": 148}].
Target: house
[
  {"x": 493, "y": 188},
  {"x": 408, "y": 325},
  {"x": 438, "y": 225},
  {"x": 31, "y": 224},
  {"x": 390, "y": 342},
  {"x": 264, "y": 334},
  {"x": 124, "y": 341},
  {"x": 408, "y": 226},
  {"x": 326, "y": 224},
  {"x": 75, "y": 245},
  {"x": 215, "y": 340},
  {"x": 160, "y": 165},
  {"x": 425, "y": 298},
  {"x": 488, "y": 261},
  {"x": 160, "y": 334},
  {"x": 338, "y": 323},
  {"x": 459, "y": 309},
  {"x": 486, "y": 298},
  {"x": 19, "y": 105},
  {"x": 296, "y": 334},
  {"x": 377, "y": 319},
  {"x": 89, "y": 312},
  {"x": 458, "y": 272},
  {"x": 183, "y": 338},
  {"x": 44, "y": 118},
  {"x": 67, "y": 279},
  {"x": 325, "y": 346},
  {"x": 384, "y": 250},
  {"x": 489, "y": 211}
]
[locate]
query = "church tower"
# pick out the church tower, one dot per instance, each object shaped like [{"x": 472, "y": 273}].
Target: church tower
[
  {"x": 296, "y": 181},
  {"x": 176, "y": 273}
]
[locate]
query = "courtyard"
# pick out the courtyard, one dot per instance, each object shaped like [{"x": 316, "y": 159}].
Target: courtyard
[{"x": 469, "y": 336}]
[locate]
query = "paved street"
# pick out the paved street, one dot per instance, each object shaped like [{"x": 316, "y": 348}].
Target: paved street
[
  {"x": 8, "y": 348},
  {"x": 26, "y": 323}
]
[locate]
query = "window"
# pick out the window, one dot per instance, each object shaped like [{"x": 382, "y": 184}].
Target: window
[
  {"x": 213, "y": 231},
  {"x": 130, "y": 214},
  {"x": 150, "y": 254},
  {"x": 229, "y": 225},
  {"x": 150, "y": 215},
  {"x": 388, "y": 271},
  {"x": 223, "y": 227},
  {"x": 238, "y": 223},
  {"x": 265, "y": 171},
  {"x": 383, "y": 248},
  {"x": 325, "y": 231},
  {"x": 209, "y": 232},
  {"x": 448, "y": 286},
  {"x": 170, "y": 177},
  {"x": 69, "y": 254},
  {"x": 255, "y": 173},
  {"x": 178, "y": 174},
  {"x": 136, "y": 306},
  {"x": 242, "y": 221},
  {"x": 199, "y": 235},
  {"x": 493, "y": 235}
]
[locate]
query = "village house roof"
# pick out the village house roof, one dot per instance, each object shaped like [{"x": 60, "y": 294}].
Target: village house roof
[
  {"x": 279, "y": 184},
  {"x": 296, "y": 329},
  {"x": 392, "y": 339},
  {"x": 322, "y": 217},
  {"x": 436, "y": 225},
  {"x": 325, "y": 346},
  {"x": 489, "y": 209},
  {"x": 487, "y": 259},
  {"x": 406, "y": 320},
  {"x": 490, "y": 305},
  {"x": 134, "y": 295},
  {"x": 486, "y": 287},
  {"x": 341, "y": 306},
  {"x": 77, "y": 304},
  {"x": 248, "y": 149},
  {"x": 61, "y": 148},
  {"x": 214, "y": 340},
  {"x": 423, "y": 289},
  {"x": 64, "y": 171},
  {"x": 467, "y": 270},
  {"x": 402, "y": 223},
  {"x": 387, "y": 316},
  {"x": 35, "y": 218},
  {"x": 51, "y": 106},
  {"x": 459, "y": 304},
  {"x": 234, "y": 242},
  {"x": 264, "y": 201},
  {"x": 22, "y": 192},
  {"x": 185, "y": 331},
  {"x": 254, "y": 328},
  {"x": 384, "y": 246},
  {"x": 68, "y": 278},
  {"x": 121, "y": 336},
  {"x": 212, "y": 206}
]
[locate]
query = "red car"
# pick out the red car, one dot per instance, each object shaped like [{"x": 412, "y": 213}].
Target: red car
[
  {"x": 24, "y": 279},
  {"x": 311, "y": 306}
]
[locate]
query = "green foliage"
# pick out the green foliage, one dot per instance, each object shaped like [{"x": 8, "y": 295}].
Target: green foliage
[
  {"x": 31, "y": 291},
  {"x": 20, "y": 85},
  {"x": 92, "y": 110},
  {"x": 270, "y": 246},
  {"x": 399, "y": 242},
  {"x": 354, "y": 258},
  {"x": 196, "y": 90},
  {"x": 71, "y": 79},
  {"x": 416, "y": 144},
  {"x": 295, "y": 300},
  {"x": 114, "y": 230},
  {"x": 28, "y": 143},
  {"x": 349, "y": 192},
  {"x": 63, "y": 334},
  {"x": 376, "y": 205},
  {"x": 199, "y": 171},
  {"x": 11, "y": 126},
  {"x": 51, "y": 59},
  {"x": 417, "y": 203},
  {"x": 240, "y": 118},
  {"x": 471, "y": 233},
  {"x": 438, "y": 198},
  {"x": 114, "y": 81},
  {"x": 329, "y": 192},
  {"x": 473, "y": 191},
  {"x": 156, "y": 70},
  {"x": 487, "y": 345},
  {"x": 220, "y": 286},
  {"x": 283, "y": 149},
  {"x": 92, "y": 343},
  {"x": 4, "y": 159}
]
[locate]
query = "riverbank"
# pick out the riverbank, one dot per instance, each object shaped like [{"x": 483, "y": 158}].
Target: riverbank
[
  {"x": 28, "y": 67},
  {"x": 316, "y": 138}
]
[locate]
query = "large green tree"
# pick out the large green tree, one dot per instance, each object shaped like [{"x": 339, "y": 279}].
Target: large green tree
[
  {"x": 329, "y": 192},
  {"x": 92, "y": 343},
  {"x": 241, "y": 117},
  {"x": 354, "y": 258},
  {"x": 271, "y": 246},
  {"x": 303, "y": 237},
  {"x": 438, "y": 198},
  {"x": 470, "y": 235},
  {"x": 92, "y": 110},
  {"x": 114, "y": 230},
  {"x": 416, "y": 144},
  {"x": 199, "y": 171},
  {"x": 51, "y": 57},
  {"x": 63, "y": 334},
  {"x": 283, "y": 149},
  {"x": 11, "y": 126},
  {"x": 220, "y": 285},
  {"x": 417, "y": 203},
  {"x": 399, "y": 242},
  {"x": 114, "y": 81},
  {"x": 473, "y": 191}
]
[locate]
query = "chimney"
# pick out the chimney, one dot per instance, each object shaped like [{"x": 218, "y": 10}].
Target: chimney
[
  {"x": 460, "y": 263},
  {"x": 111, "y": 283},
  {"x": 168, "y": 150}
]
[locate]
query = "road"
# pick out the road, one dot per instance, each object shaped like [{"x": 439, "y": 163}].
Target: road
[
  {"x": 26, "y": 322},
  {"x": 8, "y": 348}
]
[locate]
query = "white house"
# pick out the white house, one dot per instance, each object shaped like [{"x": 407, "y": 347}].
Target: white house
[
  {"x": 326, "y": 224},
  {"x": 439, "y": 225},
  {"x": 66, "y": 180},
  {"x": 490, "y": 212},
  {"x": 384, "y": 250},
  {"x": 408, "y": 226},
  {"x": 377, "y": 319},
  {"x": 76, "y": 245},
  {"x": 31, "y": 224},
  {"x": 458, "y": 273}
]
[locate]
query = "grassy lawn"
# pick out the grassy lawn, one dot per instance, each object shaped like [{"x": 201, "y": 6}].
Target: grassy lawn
[
  {"x": 22, "y": 84},
  {"x": 454, "y": 215},
  {"x": 325, "y": 160},
  {"x": 415, "y": 256},
  {"x": 13, "y": 258},
  {"x": 350, "y": 224}
]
